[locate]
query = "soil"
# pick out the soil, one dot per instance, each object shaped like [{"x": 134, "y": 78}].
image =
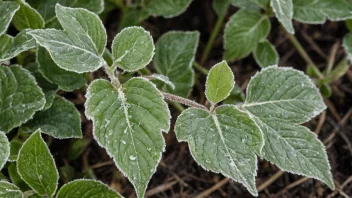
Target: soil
[{"x": 178, "y": 175}]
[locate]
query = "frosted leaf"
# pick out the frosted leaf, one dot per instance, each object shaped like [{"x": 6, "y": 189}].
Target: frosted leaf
[
  {"x": 127, "y": 122},
  {"x": 216, "y": 141}
]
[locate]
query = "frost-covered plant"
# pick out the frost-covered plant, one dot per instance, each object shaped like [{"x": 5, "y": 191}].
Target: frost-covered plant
[{"x": 130, "y": 115}]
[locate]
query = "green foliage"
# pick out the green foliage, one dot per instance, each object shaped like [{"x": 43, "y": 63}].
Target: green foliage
[
  {"x": 316, "y": 12},
  {"x": 4, "y": 148},
  {"x": 86, "y": 189},
  {"x": 129, "y": 113},
  {"x": 36, "y": 166},
  {"x": 46, "y": 8},
  {"x": 284, "y": 12},
  {"x": 8, "y": 190},
  {"x": 265, "y": 54},
  {"x": 219, "y": 83},
  {"x": 27, "y": 17},
  {"x": 166, "y": 8},
  {"x": 20, "y": 97},
  {"x": 134, "y": 54},
  {"x": 61, "y": 120},
  {"x": 243, "y": 32},
  {"x": 128, "y": 121},
  {"x": 7, "y": 10},
  {"x": 84, "y": 36},
  {"x": 13, "y": 46},
  {"x": 174, "y": 56}
]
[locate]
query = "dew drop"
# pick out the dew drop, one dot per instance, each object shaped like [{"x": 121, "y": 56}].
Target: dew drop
[{"x": 132, "y": 157}]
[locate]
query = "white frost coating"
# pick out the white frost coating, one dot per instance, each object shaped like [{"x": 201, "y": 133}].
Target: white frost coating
[
  {"x": 133, "y": 158},
  {"x": 162, "y": 78},
  {"x": 284, "y": 12},
  {"x": 4, "y": 149},
  {"x": 39, "y": 176},
  {"x": 118, "y": 59},
  {"x": 7, "y": 14}
]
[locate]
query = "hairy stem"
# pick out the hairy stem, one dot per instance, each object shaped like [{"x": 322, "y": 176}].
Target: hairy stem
[
  {"x": 184, "y": 101},
  {"x": 303, "y": 53},
  {"x": 213, "y": 35},
  {"x": 114, "y": 80}
]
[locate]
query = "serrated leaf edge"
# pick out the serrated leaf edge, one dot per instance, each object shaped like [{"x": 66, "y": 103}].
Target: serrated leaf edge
[
  {"x": 254, "y": 193},
  {"x": 315, "y": 113},
  {"x": 89, "y": 117}
]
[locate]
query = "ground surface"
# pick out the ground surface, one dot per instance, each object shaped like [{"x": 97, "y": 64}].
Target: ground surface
[{"x": 178, "y": 175}]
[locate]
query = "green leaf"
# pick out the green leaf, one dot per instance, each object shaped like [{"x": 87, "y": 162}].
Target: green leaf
[
  {"x": 8, "y": 190},
  {"x": 80, "y": 46},
  {"x": 62, "y": 120},
  {"x": 243, "y": 32},
  {"x": 66, "y": 80},
  {"x": 175, "y": 51},
  {"x": 279, "y": 99},
  {"x": 347, "y": 44},
  {"x": 132, "y": 49},
  {"x": 283, "y": 93},
  {"x": 27, "y": 17},
  {"x": 265, "y": 54},
  {"x": 20, "y": 97},
  {"x": 224, "y": 141},
  {"x": 220, "y": 82},
  {"x": 161, "y": 78},
  {"x": 15, "y": 146},
  {"x": 295, "y": 148},
  {"x": 284, "y": 13},
  {"x": 236, "y": 96},
  {"x": 36, "y": 166},
  {"x": 16, "y": 178},
  {"x": 133, "y": 17},
  {"x": 49, "y": 89},
  {"x": 4, "y": 149},
  {"x": 128, "y": 122},
  {"x": 167, "y": 8},
  {"x": 318, "y": 11},
  {"x": 13, "y": 46},
  {"x": 7, "y": 10},
  {"x": 76, "y": 148},
  {"x": 251, "y": 5},
  {"x": 47, "y": 8},
  {"x": 86, "y": 189}
]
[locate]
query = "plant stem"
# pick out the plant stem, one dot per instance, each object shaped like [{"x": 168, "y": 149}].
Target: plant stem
[
  {"x": 303, "y": 53},
  {"x": 213, "y": 35},
  {"x": 177, "y": 106},
  {"x": 114, "y": 80},
  {"x": 200, "y": 68},
  {"x": 182, "y": 100}
]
